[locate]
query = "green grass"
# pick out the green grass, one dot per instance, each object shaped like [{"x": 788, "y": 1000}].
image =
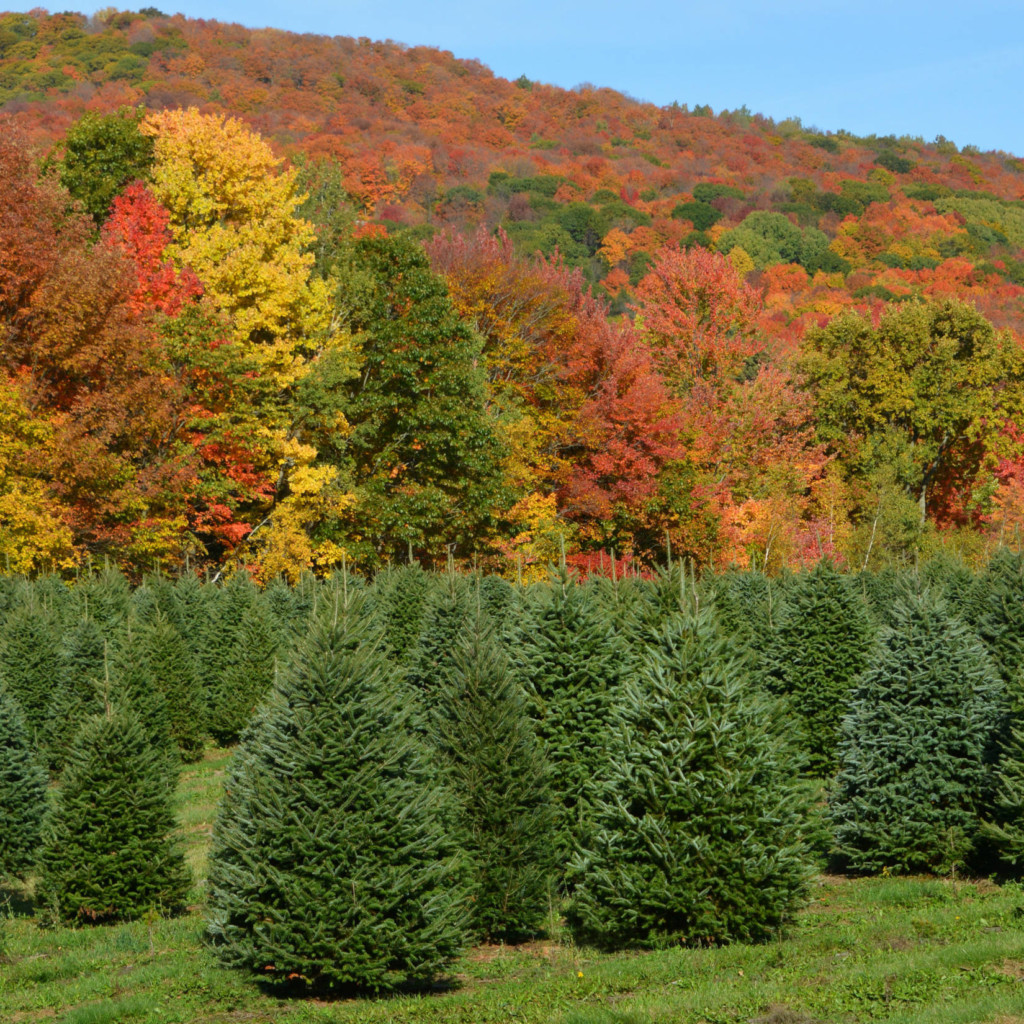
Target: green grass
[{"x": 882, "y": 949}]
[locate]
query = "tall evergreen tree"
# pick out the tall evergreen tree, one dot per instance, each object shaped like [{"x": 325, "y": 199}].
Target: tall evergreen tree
[
  {"x": 916, "y": 749},
  {"x": 22, "y": 791},
  {"x": 1005, "y": 821},
  {"x": 997, "y": 610},
  {"x": 500, "y": 779},
  {"x": 702, "y": 822},
  {"x": 108, "y": 852},
  {"x": 818, "y": 649},
  {"x": 332, "y": 861},
  {"x": 223, "y": 609},
  {"x": 570, "y": 663}
]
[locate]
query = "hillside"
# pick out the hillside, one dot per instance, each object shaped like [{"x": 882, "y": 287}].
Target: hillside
[
  {"x": 326, "y": 298},
  {"x": 427, "y": 141}
]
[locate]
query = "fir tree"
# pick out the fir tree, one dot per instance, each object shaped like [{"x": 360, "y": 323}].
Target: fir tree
[
  {"x": 166, "y": 658},
  {"x": 223, "y": 609},
  {"x": 997, "y": 611},
  {"x": 399, "y": 601},
  {"x": 1006, "y": 823},
  {"x": 445, "y": 621},
  {"x": 570, "y": 663},
  {"x": 247, "y": 676},
  {"x": 30, "y": 662},
  {"x": 331, "y": 859},
  {"x": 22, "y": 792},
  {"x": 916, "y": 747},
  {"x": 78, "y": 689},
  {"x": 108, "y": 851},
  {"x": 819, "y": 647},
  {"x": 498, "y": 774},
  {"x": 703, "y": 822}
]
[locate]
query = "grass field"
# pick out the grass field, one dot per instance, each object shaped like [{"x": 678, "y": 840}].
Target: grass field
[{"x": 884, "y": 949}]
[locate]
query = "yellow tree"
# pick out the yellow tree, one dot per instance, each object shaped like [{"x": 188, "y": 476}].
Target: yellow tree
[
  {"x": 33, "y": 532},
  {"x": 233, "y": 218}
]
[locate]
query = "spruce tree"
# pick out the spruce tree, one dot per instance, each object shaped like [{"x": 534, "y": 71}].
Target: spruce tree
[
  {"x": 108, "y": 851},
  {"x": 703, "y": 821},
  {"x": 332, "y": 863},
  {"x": 818, "y": 649},
  {"x": 499, "y": 776},
  {"x": 916, "y": 748},
  {"x": 570, "y": 663},
  {"x": 223, "y": 610},
  {"x": 22, "y": 792},
  {"x": 997, "y": 611},
  {"x": 247, "y": 676}
]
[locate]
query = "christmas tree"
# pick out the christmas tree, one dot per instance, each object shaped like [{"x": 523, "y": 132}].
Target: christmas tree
[
  {"x": 498, "y": 774},
  {"x": 703, "y": 822},
  {"x": 818, "y": 649},
  {"x": 332, "y": 863},
  {"x": 108, "y": 851},
  {"x": 916, "y": 748},
  {"x": 22, "y": 791}
]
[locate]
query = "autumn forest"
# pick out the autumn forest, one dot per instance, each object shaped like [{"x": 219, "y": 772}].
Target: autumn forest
[{"x": 276, "y": 301}]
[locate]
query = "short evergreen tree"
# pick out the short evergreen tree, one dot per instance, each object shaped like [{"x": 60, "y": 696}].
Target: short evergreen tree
[
  {"x": 77, "y": 689},
  {"x": 916, "y": 748},
  {"x": 30, "y": 662},
  {"x": 498, "y": 774},
  {"x": 332, "y": 862},
  {"x": 703, "y": 821},
  {"x": 108, "y": 851},
  {"x": 813, "y": 657},
  {"x": 247, "y": 676},
  {"x": 167, "y": 662},
  {"x": 1005, "y": 824},
  {"x": 997, "y": 611},
  {"x": 223, "y": 608},
  {"x": 22, "y": 792},
  {"x": 570, "y": 663},
  {"x": 399, "y": 601},
  {"x": 446, "y": 619}
]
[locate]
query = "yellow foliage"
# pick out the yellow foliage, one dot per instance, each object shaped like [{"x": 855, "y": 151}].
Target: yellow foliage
[
  {"x": 615, "y": 247},
  {"x": 741, "y": 260},
  {"x": 33, "y": 533},
  {"x": 537, "y": 541},
  {"x": 233, "y": 220}
]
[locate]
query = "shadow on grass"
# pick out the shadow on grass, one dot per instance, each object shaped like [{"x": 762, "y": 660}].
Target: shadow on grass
[{"x": 15, "y": 901}]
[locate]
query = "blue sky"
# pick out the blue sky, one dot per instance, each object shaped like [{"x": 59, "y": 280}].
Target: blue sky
[{"x": 901, "y": 66}]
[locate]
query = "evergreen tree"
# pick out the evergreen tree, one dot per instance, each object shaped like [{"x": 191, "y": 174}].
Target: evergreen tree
[
  {"x": 703, "y": 822},
  {"x": 819, "y": 647},
  {"x": 399, "y": 601},
  {"x": 570, "y": 663},
  {"x": 108, "y": 852},
  {"x": 78, "y": 689},
  {"x": 30, "y": 662},
  {"x": 1006, "y": 822},
  {"x": 223, "y": 609},
  {"x": 997, "y": 610},
  {"x": 498, "y": 774},
  {"x": 22, "y": 791},
  {"x": 445, "y": 622},
  {"x": 916, "y": 747},
  {"x": 133, "y": 687},
  {"x": 189, "y": 612},
  {"x": 247, "y": 676},
  {"x": 103, "y": 598},
  {"x": 331, "y": 858}
]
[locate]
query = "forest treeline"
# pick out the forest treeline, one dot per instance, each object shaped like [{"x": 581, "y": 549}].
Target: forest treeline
[
  {"x": 433, "y": 759},
  {"x": 397, "y": 307}
]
